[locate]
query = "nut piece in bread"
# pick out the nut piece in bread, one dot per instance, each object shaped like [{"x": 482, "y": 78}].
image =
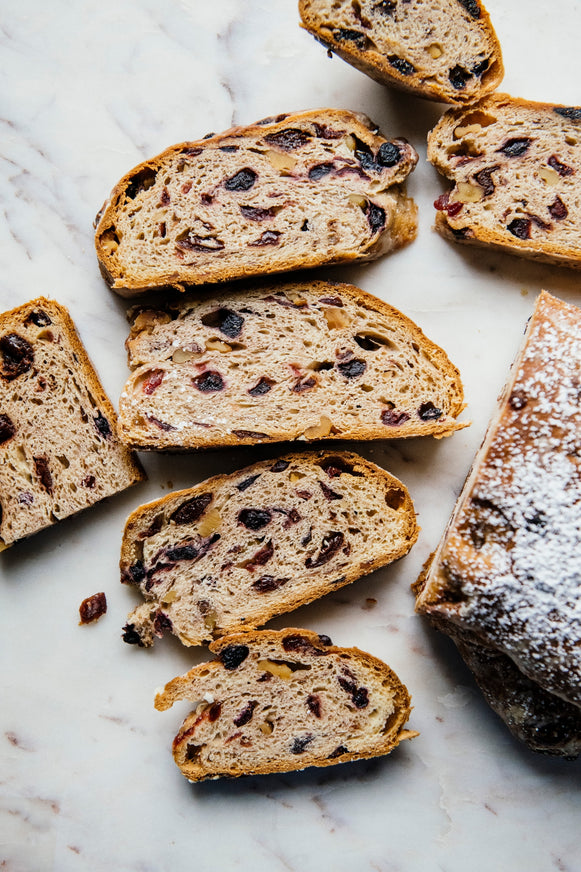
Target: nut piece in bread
[
  {"x": 515, "y": 166},
  {"x": 237, "y": 549},
  {"x": 298, "y": 361},
  {"x": 59, "y": 450},
  {"x": 290, "y": 192},
  {"x": 276, "y": 701},
  {"x": 505, "y": 578},
  {"x": 444, "y": 50}
]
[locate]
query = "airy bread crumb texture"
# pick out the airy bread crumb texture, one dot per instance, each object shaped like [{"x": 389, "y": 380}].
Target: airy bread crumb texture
[
  {"x": 298, "y": 361},
  {"x": 445, "y": 50},
  {"x": 515, "y": 165},
  {"x": 238, "y": 549},
  {"x": 290, "y": 192},
  {"x": 276, "y": 701},
  {"x": 59, "y": 448}
]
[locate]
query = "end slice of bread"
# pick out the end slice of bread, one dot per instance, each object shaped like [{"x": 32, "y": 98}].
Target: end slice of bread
[
  {"x": 236, "y": 550},
  {"x": 291, "y": 192},
  {"x": 276, "y": 701},
  {"x": 444, "y": 50},
  {"x": 59, "y": 448}
]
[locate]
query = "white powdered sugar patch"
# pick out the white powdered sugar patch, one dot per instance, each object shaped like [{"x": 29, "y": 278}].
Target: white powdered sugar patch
[{"x": 515, "y": 545}]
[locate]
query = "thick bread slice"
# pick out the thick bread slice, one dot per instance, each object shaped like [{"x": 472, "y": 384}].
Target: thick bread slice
[
  {"x": 59, "y": 451},
  {"x": 279, "y": 701},
  {"x": 238, "y": 549},
  {"x": 289, "y": 192},
  {"x": 507, "y": 569},
  {"x": 298, "y": 361},
  {"x": 515, "y": 167},
  {"x": 441, "y": 49}
]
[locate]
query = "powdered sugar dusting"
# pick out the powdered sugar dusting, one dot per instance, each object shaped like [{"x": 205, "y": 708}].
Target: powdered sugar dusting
[{"x": 514, "y": 551}]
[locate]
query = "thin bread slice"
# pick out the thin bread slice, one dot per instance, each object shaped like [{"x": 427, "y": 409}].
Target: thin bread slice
[
  {"x": 507, "y": 569},
  {"x": 237, "y": 549},
  {"x": 298, "y": 361},
  {"x": 444, "y": 50},
  {"x": 59, "y": 448},
  {"x": 290, "y": 192},
  {"x": 276, "y": 701},
  {"x": 515, "y": 165}
]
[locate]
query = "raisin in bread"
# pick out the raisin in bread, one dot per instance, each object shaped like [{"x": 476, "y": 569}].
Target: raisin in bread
[
  {"x": 299, "y": 361},
  {"x": 507, "y": 570},
  {"x": 441, "y": 49},
  {"x": 58, "y": 442},
  {"x": 515, "y": 167},
  {"x": 238, "y": 549},
  {"x": 289, "y": 192},
  {"x": 279, "y": 701}
]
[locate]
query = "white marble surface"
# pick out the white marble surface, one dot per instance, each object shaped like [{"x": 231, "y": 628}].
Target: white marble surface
[{"x": 88, "y": 89}]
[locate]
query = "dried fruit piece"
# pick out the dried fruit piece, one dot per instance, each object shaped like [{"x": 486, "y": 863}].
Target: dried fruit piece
[
  {"x": 234, "y": 655},
  {"x": 93, "y": 608},
  {"x": 17, "y": 355},
  {"x": 254, "y": 519},
  {"x": 209, "y": 381},
  {"x": 243, "y": 180},
  {"x": 7, "y": 429},
  {"x": 225, "y": 320},
  {"x": 191, "y": 510}
]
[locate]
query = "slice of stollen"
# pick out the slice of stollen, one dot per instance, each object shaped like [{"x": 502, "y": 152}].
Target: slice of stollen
[
  {"x": 303, "y": 361},
  {"x": 441, "y": 49},
  {"x": 291, "y": 192},
  {"x": 507, "y": 570},
  {"x": 237, "y": 549},
  {"x": 59, "y": 450},
  {"x": 276, "y": 701},
  {"x": 515, "y": 166}
]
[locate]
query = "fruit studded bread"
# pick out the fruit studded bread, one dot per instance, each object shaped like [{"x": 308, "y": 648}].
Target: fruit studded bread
[
  {"x": 445, "y": 50},
  {"x": 59, "y": 451},
  {"x": 507, "y": 570},
  {"x": 238, "y": 549},
  {"x": 289, "y": 192},
  {"x": 275, "y": 701},
  {"x": 298, "y": 361},
  {"x": 515, "y": 167}
]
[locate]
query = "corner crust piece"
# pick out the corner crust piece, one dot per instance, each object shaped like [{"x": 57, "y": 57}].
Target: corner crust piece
[
  {"x": 292, "y": 192},
  {"x": 515, "y": 166},
  {"x": 59, "y": 449},
  {"x": 278, "y": 701},
  {"x": 504, "y": 582}
]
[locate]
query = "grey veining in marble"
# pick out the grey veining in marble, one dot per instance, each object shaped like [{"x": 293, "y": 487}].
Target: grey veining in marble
[{"x": 87, "y": 90}]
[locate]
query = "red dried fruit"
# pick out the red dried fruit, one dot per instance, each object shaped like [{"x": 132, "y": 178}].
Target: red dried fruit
[
  {"x": 161, "y": 624},
  {"x": 557, "y": 209},
  {"x": 303, "y": 645},
  {"x": 153, "y": 381},
  {"x": 328, "y": 493},
  {"x": 314, "y": 704},
  {"x": 559, "y": 167},
  {"x": 243, "y": 180},
  {"x": 330, "y": 544},
  {"x": 246, "y": 714},
  {"x": 393, "y": 418},
  {"x": 17, "y": 355},
  {"x": 332, "y": 301},
  {"x": 268, "y": 583},
  {"x": 89, "y": 481},
  {"x": 288, "y": 139},
  {"x": 187, "y": 241},
  {"x": 304, "y": 384},
  {"x": 261, "y": 557},
  {"x": 163, "y": 425},
  {"x": 42, "y": 470},
  {"x": 255, "y": 213},
  {"x": 269, "y": 237},
  {"x": 192, "y": 510},
  {"x": 261, "y": 387},
  {"x": 7, "y": 429},
  {"x": 165, "y": 199},
  {"x": 209, "y": 382},
  {"x": 214, "y": 712},
  {"x": 280, "y": 466},
  {"x": 92, "y": 608},
  {"x": 520, "y": 227},
  {"x": 442, "y": 204},
  {"x": 359, "y": 695},
  {"x": 250, "y": 434},
  {"x": 484, "y": 179}
]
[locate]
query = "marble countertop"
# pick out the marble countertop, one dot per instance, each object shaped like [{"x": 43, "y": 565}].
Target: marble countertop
[{"x": 87, "y": 782}]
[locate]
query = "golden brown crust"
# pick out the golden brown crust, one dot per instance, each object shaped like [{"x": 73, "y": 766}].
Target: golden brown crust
[
  {"x": 354, "y": 33},
  {"x": 305, "y": 647},
  {"x": 400, "y": 211}
]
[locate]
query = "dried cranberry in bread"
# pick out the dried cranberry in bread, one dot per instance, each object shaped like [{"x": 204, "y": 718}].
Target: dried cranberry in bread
[
  {"x": 515, "y": 167},
  {"x": 441, "y": 49},
  {"x": 276, "y": 701},
  {"x": 289, "y": 192},
  {"x": 507, "y": 569},
  {"x": 237, "y": 549},
  {"x": 59, "y": 451},
  {"x": 298, "y": 361}
]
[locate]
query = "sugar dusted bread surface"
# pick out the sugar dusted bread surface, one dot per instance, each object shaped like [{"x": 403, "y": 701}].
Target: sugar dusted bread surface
[
  {"x": 507, "y": 570},
  {"x": 296, "y": 361},
  {"x": 237, "y": 549},
  {"x": 59, "y": 451},
  {"x": 445, "y": 50},
  {"x": 290, "y": 192},
  {"x": 275, "y": 701},
  {"x": 515, "y": 166}
]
